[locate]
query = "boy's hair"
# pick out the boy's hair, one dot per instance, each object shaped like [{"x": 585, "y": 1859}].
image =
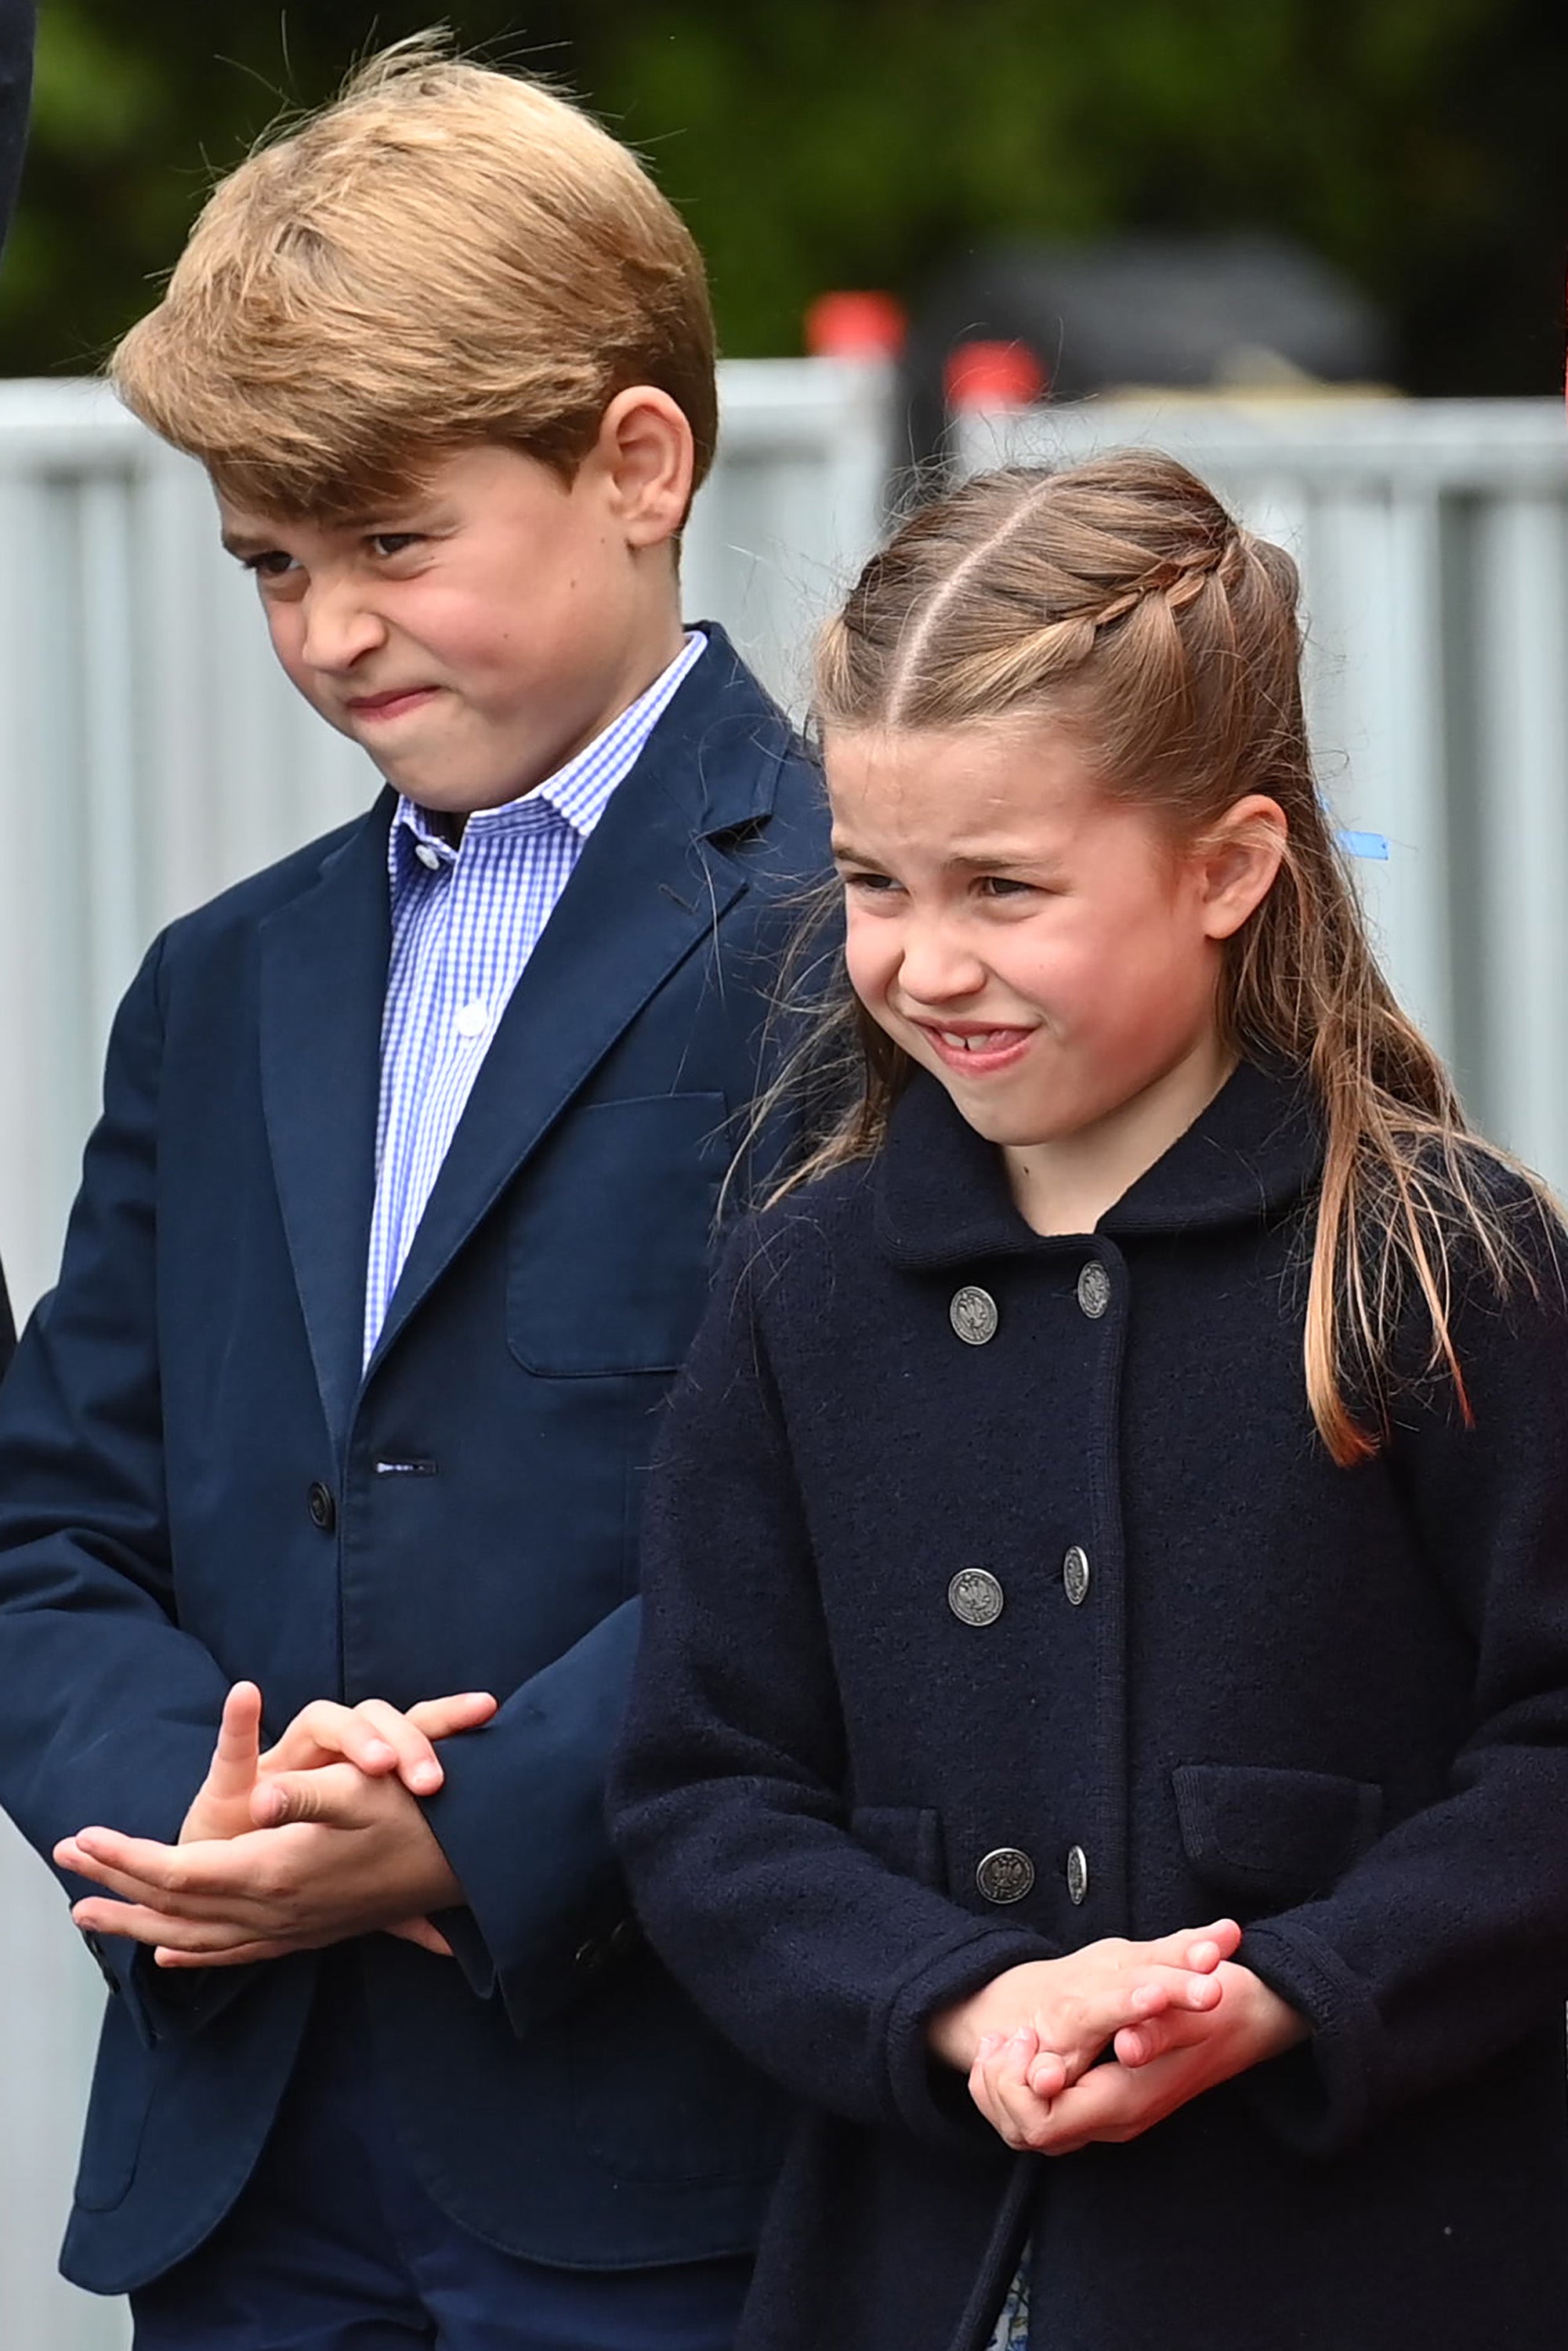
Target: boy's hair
[
  {"x": 445, "y": 255},
  {"x": 1120, "y": 599}
]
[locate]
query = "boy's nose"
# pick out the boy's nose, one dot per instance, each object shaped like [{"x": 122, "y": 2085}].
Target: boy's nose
[{"x": 341, "y": 628}]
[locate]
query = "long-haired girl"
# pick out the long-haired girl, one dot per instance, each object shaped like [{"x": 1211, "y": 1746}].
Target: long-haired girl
[{"x": 1129, "y": 1480}]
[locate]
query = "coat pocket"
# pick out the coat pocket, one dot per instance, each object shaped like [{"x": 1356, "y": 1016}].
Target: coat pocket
[
  {"x": 907, "y": 1839},
  {"x": 611, "y": 1237},
  {"x": 1262, "y": 1835}
]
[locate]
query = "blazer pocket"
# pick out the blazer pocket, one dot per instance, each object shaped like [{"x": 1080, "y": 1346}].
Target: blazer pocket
[
  {"x": 1263, "y": 1835},
  {"x": 128, "y": 2075},
  {"x": 906, "y": 1838},
  {"x": 611, "y": 1237}
]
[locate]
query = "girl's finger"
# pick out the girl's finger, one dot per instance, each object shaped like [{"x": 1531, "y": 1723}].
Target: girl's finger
[
  {"x": 1140, "y": 2044},
  {"x": 1198, "y": 1947},
  {"x": 1047, "y": 2077},
  {"x": 1023, "y": 2113},
  {"x": 377, "y": 1724}
]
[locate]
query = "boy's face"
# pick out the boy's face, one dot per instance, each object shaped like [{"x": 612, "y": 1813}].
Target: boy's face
[{"x": 476, "y": 637}]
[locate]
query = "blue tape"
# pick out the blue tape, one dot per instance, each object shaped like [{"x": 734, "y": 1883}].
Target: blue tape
[{"x": 1365, "y": 844}]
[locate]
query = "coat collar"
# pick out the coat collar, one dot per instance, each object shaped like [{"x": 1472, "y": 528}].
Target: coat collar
[
  {"x": 649, "y": 887},
  {"x": 942, "y": 1196}
]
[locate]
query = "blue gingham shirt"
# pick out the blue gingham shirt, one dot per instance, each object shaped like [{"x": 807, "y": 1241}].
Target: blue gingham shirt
[{"x": 465, "y": 921}]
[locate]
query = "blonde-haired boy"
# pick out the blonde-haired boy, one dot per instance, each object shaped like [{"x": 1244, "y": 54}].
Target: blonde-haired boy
[{"x": 393, "y": 1230}]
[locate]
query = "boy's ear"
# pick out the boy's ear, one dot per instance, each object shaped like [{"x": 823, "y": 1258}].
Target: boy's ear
[{"x": 646, "y": 455}]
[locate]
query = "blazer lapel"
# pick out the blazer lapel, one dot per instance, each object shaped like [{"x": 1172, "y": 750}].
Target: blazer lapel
[
  {"x": 651, "y": 884},
  {"x": 323, "y": 983}
]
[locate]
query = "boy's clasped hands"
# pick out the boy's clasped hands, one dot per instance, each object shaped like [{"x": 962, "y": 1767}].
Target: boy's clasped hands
[
  {"x": 317, "y": 1838},
  {"x": 1171, "y": 2018}
]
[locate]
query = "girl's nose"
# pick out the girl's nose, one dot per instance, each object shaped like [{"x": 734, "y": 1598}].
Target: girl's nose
[{"x": 936, "y": 968}]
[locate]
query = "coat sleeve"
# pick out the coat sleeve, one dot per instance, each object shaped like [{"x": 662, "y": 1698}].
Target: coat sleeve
[
  {"x": 727, "y": 1799},
  {"x": 109, "y": 1711},
  {"x": 1447, "y": 1942}
]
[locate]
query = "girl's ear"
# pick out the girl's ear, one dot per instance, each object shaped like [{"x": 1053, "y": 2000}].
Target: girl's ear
[{"x": 1237, "y": 860}]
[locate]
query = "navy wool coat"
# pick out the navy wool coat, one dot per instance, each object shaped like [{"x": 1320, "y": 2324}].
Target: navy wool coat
[
  {"x": 1224, "y": 1677},
  {"x": 198, "y": 1482}
]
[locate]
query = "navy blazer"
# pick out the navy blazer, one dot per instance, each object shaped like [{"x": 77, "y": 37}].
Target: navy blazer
[
  {"x": 197, "y": 1483},
  {"x": 977, "y": 1631},
  {"x": 17, "y": 29}
]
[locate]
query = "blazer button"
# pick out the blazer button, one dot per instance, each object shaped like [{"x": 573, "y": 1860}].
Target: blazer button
[
  {"x": 1076, "y": 1575},
  {"x": 1077, "y": 1876},
  {"x": 975, "y": 1596},
  {"x": 973, "y": 1315},
  {"x": 323, "y": 1509},
  {"x": 1094, "y": 1289},
  {"x": 1006, "y": 1875}
]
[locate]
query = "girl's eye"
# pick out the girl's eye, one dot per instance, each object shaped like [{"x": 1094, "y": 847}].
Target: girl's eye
[{"x": 870, "y": 886}]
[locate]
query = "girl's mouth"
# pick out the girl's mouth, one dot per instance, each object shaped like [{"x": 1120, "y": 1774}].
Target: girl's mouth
[{"x": 976, "y": 1052}]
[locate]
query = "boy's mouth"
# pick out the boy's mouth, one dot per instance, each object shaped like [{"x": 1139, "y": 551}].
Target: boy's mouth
[{"x": 391, "y": 704}]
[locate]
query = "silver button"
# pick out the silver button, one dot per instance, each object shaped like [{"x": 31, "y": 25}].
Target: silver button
[
  {"x": 973, "y": 1315},
  {"x": 1077, "y": 1875},
  {"x": 975, "y": 1596},
  {"x": 1094, "y": 1289},
  {"x": 1004, "y": 1875},
  {"x": 1076, "y": 1575},
  {"x": 428, "y": 854}
]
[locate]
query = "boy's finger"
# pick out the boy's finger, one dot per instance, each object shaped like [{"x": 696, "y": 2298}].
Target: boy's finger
[
  {"x": 237, "y": 1752},
  {"x": 335, "y": 1796},
  {"x": 324, "y": 1733},
  {"x": 379, "y": 1724},
  {"x": 439, "y": 1718},
  {"x": 421, "y": 1931}
]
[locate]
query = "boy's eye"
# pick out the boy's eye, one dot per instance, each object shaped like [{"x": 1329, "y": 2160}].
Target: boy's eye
[
  {"x": 1004, "y": 886},
  {"x": 394, "y": 542},
  {"x": 270, "y": 564}
]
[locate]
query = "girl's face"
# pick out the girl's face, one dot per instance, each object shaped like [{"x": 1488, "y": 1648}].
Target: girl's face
[{"x": 1043, "y": 949}]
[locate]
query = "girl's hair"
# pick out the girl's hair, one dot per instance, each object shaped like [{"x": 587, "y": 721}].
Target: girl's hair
[{"x": 1120, "y": 599}]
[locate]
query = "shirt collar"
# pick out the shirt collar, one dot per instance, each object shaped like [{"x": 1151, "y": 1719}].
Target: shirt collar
[
  {"x": 942, "y": 1192},
  {"x": 577, "y": 794}
]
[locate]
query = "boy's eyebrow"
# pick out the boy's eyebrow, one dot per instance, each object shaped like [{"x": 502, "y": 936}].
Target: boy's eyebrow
[{"x": 242, "y": 543}]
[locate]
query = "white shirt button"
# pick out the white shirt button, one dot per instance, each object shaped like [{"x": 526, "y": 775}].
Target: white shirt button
[
  {"x": 473, "y": 1020},
  {"x": 427, "y": 854}
]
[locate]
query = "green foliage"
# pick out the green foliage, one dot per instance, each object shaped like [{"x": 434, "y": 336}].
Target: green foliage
[{"x": 824, "y": 142}]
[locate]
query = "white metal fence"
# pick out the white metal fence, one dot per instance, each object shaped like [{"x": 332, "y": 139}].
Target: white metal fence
[{"x": 150, "y": 753}]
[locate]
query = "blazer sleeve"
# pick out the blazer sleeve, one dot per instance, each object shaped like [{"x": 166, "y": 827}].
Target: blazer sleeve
[
  {"x": 1447, "y": 1942},
  {"x": 17, "y": 28},
  {"x": 727, "y": 1799},
  {"x": 109, "y": 1711}
]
